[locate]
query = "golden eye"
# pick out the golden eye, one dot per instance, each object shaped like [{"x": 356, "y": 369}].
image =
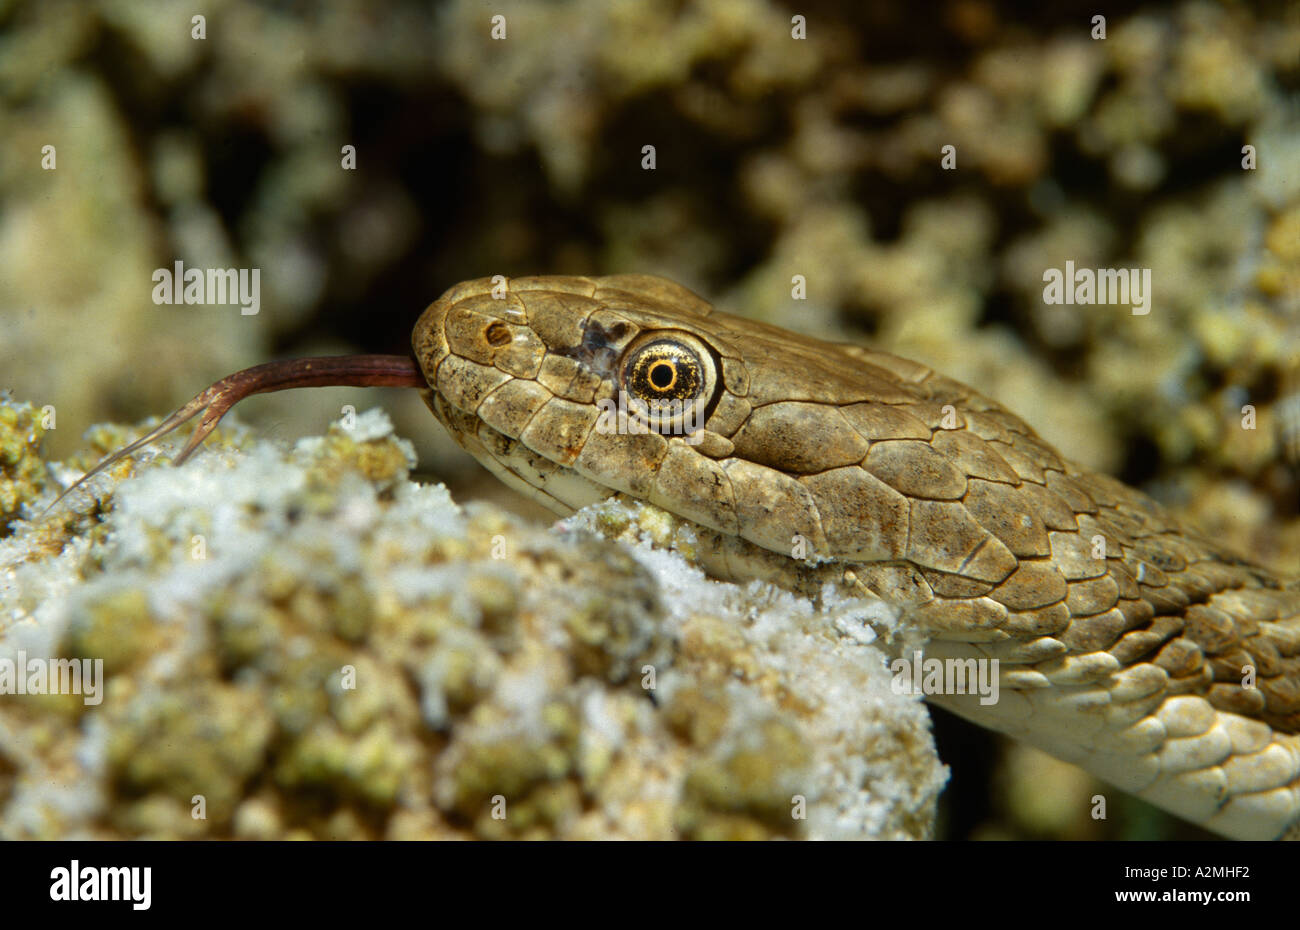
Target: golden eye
[
  {"x": 671, "y": 379},
  {"x": 663, "y": 371},
  {"x": 662, "y": 374}
]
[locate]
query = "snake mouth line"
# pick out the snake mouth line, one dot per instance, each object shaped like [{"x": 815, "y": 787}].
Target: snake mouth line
[{"x": 558, "y": 488}]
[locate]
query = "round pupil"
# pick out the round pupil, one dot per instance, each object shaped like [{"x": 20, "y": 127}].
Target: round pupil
[
  {"x": 662, "y": 375},
  {"x": 664, "y": 372}
]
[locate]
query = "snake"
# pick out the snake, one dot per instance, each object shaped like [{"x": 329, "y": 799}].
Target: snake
[{"x": 1124, "y": 640}]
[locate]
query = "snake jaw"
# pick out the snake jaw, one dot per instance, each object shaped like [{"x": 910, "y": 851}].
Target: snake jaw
[{"x": 558, "y": 488}]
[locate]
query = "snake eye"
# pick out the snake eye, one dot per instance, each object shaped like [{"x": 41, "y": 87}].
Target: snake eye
[
  {"x": 670, "y": 379},
  {"x": 664, "y": 371}
]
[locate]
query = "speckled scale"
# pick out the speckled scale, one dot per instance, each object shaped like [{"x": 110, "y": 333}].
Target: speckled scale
[
  {"x": 771, "y": 506},
  {"x": 629, "y": 463},
  {"x": 1035, "y": 583},
  {"x": 712, "y": 501},
  {"x": 560, "y": 429},
  {"x": 466, "y": 383},
  {"x": 876, "y": 422},
  {"x": 1009, "y": 516},
  {"x": 863, "y": 518},
  {"x": 916, "y": 469},
  {"x": 974, "y": 456},
  {"x": 943, "y": 537},
  {"x": 800, "y": 438},
  {"x": 512, "y": 404},
  {"x": 1095, "y": 633}
]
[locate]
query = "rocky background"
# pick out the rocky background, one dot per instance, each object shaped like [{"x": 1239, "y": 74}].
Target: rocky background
[{"x": 774, "y": 158}]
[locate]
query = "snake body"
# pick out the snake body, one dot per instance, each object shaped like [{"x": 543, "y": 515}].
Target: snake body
[{"x": 1127, "y": 642}]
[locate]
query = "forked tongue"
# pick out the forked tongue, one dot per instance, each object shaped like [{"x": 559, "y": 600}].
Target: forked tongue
[{"x": 215, "y": 401}]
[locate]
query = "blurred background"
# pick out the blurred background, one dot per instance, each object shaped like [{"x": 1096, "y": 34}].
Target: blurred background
[{"x": 775, "y": 157}]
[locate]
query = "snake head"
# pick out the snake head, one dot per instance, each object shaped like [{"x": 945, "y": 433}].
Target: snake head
[
  {"x": 574, "y": 389},
  {"x": 546, "y": 381},
  {"x": 774, "y": 437}
]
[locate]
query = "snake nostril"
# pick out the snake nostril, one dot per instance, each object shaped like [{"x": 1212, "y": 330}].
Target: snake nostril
[{"x": 498, "y": 334}]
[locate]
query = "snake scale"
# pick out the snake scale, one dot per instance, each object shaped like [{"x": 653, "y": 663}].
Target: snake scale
[{"x": 1127, "y": 642}]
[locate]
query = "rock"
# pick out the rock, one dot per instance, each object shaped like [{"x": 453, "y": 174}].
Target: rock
[{"x": 306, "y": 643}]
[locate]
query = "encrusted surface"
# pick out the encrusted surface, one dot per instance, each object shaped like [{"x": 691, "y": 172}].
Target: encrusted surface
[{"x": 319, "y": 647}]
